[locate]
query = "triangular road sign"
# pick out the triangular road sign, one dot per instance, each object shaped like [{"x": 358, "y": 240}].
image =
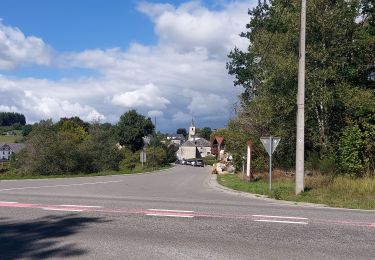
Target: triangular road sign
[
  {"x": 270, "y": 143},
  {"x": 275, "y": 142}
]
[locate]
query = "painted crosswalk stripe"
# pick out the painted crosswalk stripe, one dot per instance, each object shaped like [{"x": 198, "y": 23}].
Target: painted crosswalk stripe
[
  {"x": 280, "y": 221},
  {"x": 169, "y": 215},
  {"x": 79, "y": 206},
  {"x": 62, "y": 209},
  {"x": 171, "y": 210},
  {"x": 281, "y": 217}
]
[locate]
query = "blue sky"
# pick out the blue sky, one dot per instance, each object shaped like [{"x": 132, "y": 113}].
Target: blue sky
[{"x": 99, "y": 58}]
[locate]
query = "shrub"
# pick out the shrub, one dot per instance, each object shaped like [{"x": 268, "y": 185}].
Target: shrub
[
  {"x": 349, "y": 153},
  {"x": 209, "y": 160}
]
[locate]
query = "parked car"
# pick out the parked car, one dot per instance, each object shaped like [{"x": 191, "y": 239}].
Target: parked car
[
  {"x": 177, "y": 162},
  {"x": 198, "y": 163}
]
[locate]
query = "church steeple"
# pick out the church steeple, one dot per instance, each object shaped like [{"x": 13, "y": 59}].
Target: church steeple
[{"x": 192, "y": 130}]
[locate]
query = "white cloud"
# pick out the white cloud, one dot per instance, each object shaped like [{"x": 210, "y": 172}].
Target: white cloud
[
  {"x": 183, "y": 74},
  {"x": 8, "y": 108},
  {"x": 51, "y": 107},
  {"x": 155, "y": 113},
  {"x": 210, "y": 104},
  {"x": 17, "y": 49},
  {"x": 192, "y": 26},
  {"x": 181, "y": 117},
  {"x": 147, "y": 96}
]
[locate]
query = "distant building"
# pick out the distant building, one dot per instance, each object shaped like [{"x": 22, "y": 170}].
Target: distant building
[
  {"x": 218, "y": 145},
  {"x": 7, "y": 149},
  {"x": 176, "y": 139},
  {"x": 194, "y": 147}
]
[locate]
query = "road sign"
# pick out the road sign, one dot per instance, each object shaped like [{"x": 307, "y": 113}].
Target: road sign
[
  {"x": 270, "y": 143},
  {"x": 142, "y": 157}
]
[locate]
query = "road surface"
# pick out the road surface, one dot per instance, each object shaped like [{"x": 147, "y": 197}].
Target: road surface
[{"x": 174, "y": 214}]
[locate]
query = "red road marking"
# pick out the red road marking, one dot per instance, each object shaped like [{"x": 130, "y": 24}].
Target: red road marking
[{"x": 173, "y": 213}]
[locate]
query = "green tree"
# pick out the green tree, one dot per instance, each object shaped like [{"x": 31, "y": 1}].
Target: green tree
[
  {"x": 204, "y": 132},
  {"x": 182, "y": 131},
  {"x": 131, "y": 129},
  {"x": 11, "y": 118},
  {"x": 99, "y": 151},
  {"x": 340, "y": 56}
]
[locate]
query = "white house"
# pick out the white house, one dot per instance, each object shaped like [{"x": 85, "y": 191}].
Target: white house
[{"x": 7, "y": 149}]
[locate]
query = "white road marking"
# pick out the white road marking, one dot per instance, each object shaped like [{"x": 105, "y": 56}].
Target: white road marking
[
  {"x": 61, "y": 209},
  {"x": 172, "y": 210},
  {"x": 286, "y": 217},
  {"x": 280, "y": 221},
  {"x": 10, "y": 202},
  {"x": 80, "y": 206},
  {"x": 169, "y": 215},
  {"x": 60, "y": 185}
]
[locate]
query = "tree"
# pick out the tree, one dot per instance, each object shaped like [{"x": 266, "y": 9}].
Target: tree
[
  {"x": 11, "y": 118},
  {"x": 340, "y": 59},
  {"x": 99, "y": 151},
  {"x": 181, "y": 131},
  {"x": 131, "y": 129},
  {"x": 204, "y": 132}
]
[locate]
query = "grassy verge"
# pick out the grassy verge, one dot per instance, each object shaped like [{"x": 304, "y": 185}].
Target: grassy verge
[
  {"x": 13, "y": 176},
  {"x": 338, "y": 191}
]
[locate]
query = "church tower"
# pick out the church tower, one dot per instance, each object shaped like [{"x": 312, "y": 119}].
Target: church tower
[{"x": 192, "y": 130}]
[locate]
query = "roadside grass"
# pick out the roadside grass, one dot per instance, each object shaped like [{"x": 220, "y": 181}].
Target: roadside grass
[
  {"x": 335, "y": 191},
  {"x": 9, "y": 138},
  {"x": 8, "y": 175}
]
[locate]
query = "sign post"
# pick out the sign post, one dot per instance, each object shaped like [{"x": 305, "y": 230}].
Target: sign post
[
  {"x": 142, "y": 157},
  {"x": 248, "y": 162},
  {"x": 270, "y": 144}
]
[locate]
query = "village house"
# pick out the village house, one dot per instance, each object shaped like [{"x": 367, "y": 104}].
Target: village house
[
  {"x": 7, "y": 149},
  {"x": 176, "y": 139},
  {"x": 194, "y": 147},
  {"x": 218, "y": 146}
]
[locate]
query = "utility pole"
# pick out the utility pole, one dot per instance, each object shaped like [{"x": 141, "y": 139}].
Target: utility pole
[
  {"x": 154, "y": 162},
  {"x": 300, "y": 142}
]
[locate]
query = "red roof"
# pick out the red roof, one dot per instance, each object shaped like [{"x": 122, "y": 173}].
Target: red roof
[{"x": 219, "y": 139}]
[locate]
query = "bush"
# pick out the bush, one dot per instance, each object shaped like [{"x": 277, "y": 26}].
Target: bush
[
  {"x": 129, "y": 160},
  {"x": 209, "y": 160},
  {"x": 349, "y": 153}
]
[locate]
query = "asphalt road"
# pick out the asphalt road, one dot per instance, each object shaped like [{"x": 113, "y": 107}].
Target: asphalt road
[{"x": 179, "y": 213}]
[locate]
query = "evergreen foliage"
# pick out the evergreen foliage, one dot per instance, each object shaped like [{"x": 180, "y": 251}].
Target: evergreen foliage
[{"x": 11, "y": 118}]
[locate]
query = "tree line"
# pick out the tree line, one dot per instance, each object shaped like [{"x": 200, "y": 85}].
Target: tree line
[
  {"x": 74, "y": 146},
  {"x": 11, "y": 118},
  {"x": 340, "y": 84}
]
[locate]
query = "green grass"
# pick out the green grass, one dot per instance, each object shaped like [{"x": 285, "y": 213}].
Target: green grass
[
  {"x": 9, "y": 138},
  {"x": 13, "y": 176},
  {"x": 344, "y": 192}
]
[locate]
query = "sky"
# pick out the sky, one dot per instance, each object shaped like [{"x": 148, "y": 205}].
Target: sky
[{"x": 97, "y": 59}]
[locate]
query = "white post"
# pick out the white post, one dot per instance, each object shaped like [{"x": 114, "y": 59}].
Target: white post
[{"x": 248, "y": 164}]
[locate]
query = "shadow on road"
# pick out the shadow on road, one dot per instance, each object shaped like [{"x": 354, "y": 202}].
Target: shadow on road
[{"x": 42, "y": 238}]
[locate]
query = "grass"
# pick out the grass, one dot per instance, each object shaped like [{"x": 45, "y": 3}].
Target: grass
[
  {"x": 13, "y": 176},
  {"x": 338, "y": 191},
  {"x": 9, "y": 138}
]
